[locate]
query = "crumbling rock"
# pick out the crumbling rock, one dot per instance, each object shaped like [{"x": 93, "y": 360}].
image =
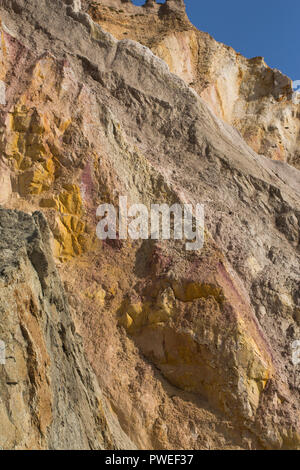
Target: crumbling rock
[
  {"x": 246, "y": 93},
  {"x": 50, "y": 398},
  {"x": 191, "y": 350}
]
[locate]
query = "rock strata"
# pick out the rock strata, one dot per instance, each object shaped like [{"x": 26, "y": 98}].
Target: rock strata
[{"x": 144, "y": 344}]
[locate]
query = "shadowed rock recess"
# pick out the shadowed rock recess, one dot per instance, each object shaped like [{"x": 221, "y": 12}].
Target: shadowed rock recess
[{"x": 140, "y": 344}]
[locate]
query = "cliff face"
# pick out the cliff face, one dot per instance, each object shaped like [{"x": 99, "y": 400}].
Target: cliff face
[
  {"x": 246, "y": 93},
  {"x": 50, "y": 398},
  {"x": 190, "y": 349}
]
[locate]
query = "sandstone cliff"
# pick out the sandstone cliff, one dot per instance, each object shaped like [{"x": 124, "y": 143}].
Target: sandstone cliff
[
  {"x": 246, "y": 93},
  {"x": 50, "y": 398},
  {"x": 190, "y": 350}
]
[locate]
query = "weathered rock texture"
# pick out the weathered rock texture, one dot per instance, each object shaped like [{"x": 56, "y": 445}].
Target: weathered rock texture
[
  {"x": 191, "y": 350},
  {"x": 246, "y": 93},
  {"x": 50, "y": 398}
]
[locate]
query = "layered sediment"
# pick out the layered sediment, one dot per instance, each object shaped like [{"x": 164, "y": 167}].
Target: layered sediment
[{"x": 140, "y": 343}]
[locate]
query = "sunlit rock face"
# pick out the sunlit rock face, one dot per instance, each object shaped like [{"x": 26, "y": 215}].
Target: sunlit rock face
[
  {"x": 189, "y": 349},
  {"x": 246, "y": 93},
  {"x": 50, "y": 398}
]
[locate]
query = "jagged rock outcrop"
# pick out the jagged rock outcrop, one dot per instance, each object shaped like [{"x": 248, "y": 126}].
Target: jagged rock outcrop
[
  {"x": 191, "y": 350},
  {"x": 246, "y": 93},
  {"x": 50, "y": 398}
]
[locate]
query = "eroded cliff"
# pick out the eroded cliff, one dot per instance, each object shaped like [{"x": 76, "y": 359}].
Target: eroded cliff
[
  {"x": 190, "y": 350},
  {"x": 246, "y": 93},
  {"x": 50, "y": 398}
]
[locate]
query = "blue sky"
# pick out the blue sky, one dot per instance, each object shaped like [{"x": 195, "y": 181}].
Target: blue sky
[{"x": 268, "y": 28}]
